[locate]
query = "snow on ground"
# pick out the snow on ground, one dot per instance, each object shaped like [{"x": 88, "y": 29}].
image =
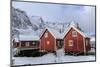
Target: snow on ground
[
  {"x": 50, "y": 58},
  {"x": 92, "y": 39},
  {"x": 92, "y": 50},
  {"x": 77, "y": 58}
]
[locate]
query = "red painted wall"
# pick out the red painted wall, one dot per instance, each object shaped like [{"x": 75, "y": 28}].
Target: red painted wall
[
  {"x": 43, "y": 42},
  {"x": 31, "y": 45},
  {"x": 16, "y": 44},
  {"x": 23, "y": 44},
  {"x": 78, "y": 43}
]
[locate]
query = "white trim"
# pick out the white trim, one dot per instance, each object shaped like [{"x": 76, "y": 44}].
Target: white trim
[
  {"x": 69, "y": 43},
  {"x": 53, "y": 33},
  {"x": 55, "y": 47},
  {"x": 76, "y": 30},
  {"x": 84, "y": 45},
  {"x": 49, "y": 31},
  {"x": 64, "y": 44},
  {"x": 40, "y": 44}
]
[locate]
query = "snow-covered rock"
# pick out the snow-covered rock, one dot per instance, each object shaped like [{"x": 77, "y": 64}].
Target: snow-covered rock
[{"x": 19, "y": 19}]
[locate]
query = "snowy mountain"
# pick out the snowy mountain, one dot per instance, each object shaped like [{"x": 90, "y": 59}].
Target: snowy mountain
[
  {"x": 37, "y": 22},
  {"x": 21, "y": 23},
  {"x": 19, "y": 19}
]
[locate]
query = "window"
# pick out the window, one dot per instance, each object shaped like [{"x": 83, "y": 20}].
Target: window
[
  {"x": 48, "y": 42},
  {"x": 33, "y": 43},
  {"x": 70, "y": 42},
  {"x": 27, "y": 43},
  {"x": 46, "y": 35},
  {"x": 74, "y": 33}
]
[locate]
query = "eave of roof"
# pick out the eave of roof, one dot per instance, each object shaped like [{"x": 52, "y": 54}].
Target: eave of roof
[{"x": 68, "y": 29}]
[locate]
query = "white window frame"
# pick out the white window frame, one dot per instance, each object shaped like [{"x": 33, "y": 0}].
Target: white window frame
[
  {"x": 74, "y": 33},
  {"x": 33, "y": 43},
  {"x": 70, "y": 43},
  {"x": 27, "y": 44},
  {"x": 48, "y": 42},
  {"x": 46, "y": 35}
]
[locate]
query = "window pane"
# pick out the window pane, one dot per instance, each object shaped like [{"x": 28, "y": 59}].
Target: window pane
[
  {"x": 70, "y": 42},
  {"x": 48, "y": 42},
  {"x": 27, "y": 43},
  {"x": 74, "y": 33},
  {"x": 46, "y": 35}
]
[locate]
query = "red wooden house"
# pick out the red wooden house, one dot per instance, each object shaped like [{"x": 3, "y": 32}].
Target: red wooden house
[
  {"x": 75, "y": 40},
  {"x": 26, "y": 42},
  {"x": 50, "y": 40}
]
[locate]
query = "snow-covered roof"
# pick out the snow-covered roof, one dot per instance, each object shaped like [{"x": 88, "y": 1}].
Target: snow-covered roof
[
  {"x": 16, "y": 39},
  {"x": 59, "y": 35},
  {"x": 74, "y": 26},
  {"x": 54, "y": 32},
  {"x": 26, "y": 31},
  {"x": 28, "y": 37},
  {"x": 28, "y": 34}
]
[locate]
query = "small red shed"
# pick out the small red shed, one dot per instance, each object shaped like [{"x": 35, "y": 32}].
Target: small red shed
[
  {"x": 50, "y": 40},
  {"x": 75, "y": 40}
]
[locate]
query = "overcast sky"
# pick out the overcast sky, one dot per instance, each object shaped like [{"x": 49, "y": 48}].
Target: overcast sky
[{"x": 84, "y": 15}]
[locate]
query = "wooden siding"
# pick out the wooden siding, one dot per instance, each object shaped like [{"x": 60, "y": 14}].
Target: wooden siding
[
  {"x": 22, "y": 44},
  {"x": 78, "y": 43},
  {"x": 43, "y": 42}
]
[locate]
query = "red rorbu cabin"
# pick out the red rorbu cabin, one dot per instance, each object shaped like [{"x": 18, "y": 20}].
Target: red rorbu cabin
[
  {"x": 76, "y": 41},
  {"x": 50, "y": 40}
]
